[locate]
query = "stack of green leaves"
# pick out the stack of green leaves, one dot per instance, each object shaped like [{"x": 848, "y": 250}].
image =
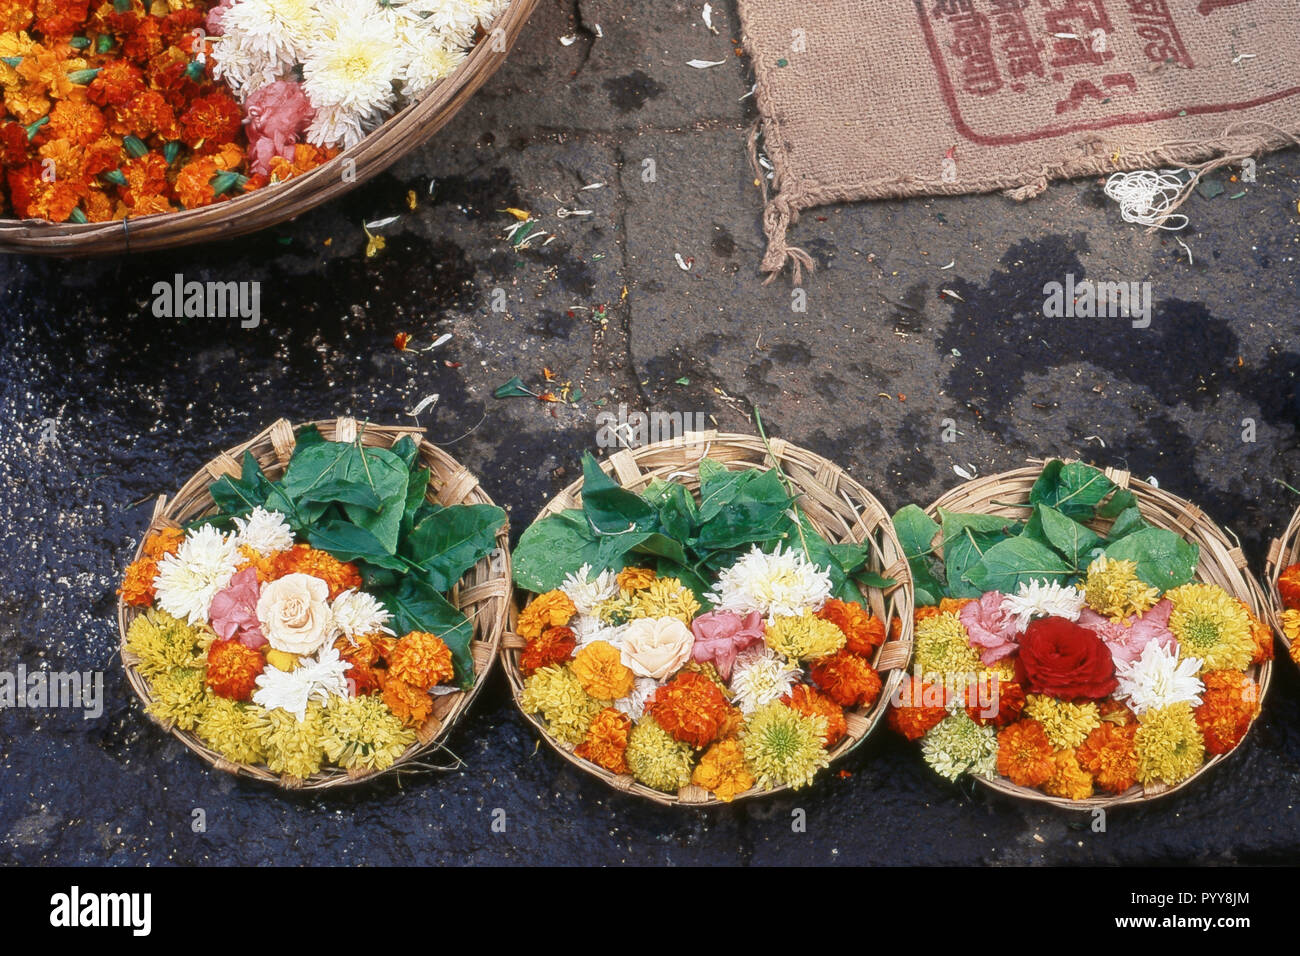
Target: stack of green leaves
[
  {"x": 680, "y": 536},
  {"x": 369, "y": 506},
  {"x": 964, "y": 555}
]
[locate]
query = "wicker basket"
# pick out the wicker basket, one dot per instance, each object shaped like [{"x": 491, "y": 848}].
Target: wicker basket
[
  {"x": 1221, "y": 562},
  {"x": 274, "y": 204},
  {"x": 1282, "y": 553},
  {"x": 482, "y": 594},
  {"x": 840, "y": 509}
]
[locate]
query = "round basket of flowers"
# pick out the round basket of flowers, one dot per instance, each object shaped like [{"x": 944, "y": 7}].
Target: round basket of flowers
[
  {"x": 1283, "y": 571},
  {"x": 708, "y": 618},
  {"x": 131, "y": 125},
  {"x": 1081, "y": 638},
  {"x": 318, "y": 605}
]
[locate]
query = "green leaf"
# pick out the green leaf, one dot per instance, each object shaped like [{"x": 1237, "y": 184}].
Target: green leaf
[
  {"x": 513, "y": 389},
  {"x": 238, "y": 496},
  {"x": 966, "y": 538},
  {"x": 678, "y": 514},
  {"x": 1129, "y": 520},
  {"x": 1007, "y": 564},
  {"x": 609, "y": 506},
  {"x": 418, "y": 507},
  {"x": 1074, "y": 489},
  {"x": 347, "y": 542},
  {"x": 662, "y": 546},
  {"x": 553, "y": 548},
  {"x": 1120, "y": 501},
  {"x": 1164, "y": 559},
  {"x": 416, "y": 606},
  {"x": 754, "y": 514},
  {"x": 307, "y": 436},
  {"x": 916, "y": 531},
  {"x": 1071, "y": 540},
  {"x": 406, "y": 449},
  {"x": 850, "y": 555},
  {"x": 348, "y": 492},
  {"x": 870, "y": 579},
  {"x": 719, "y": 486},
  {"x": 449, "y": 543}
]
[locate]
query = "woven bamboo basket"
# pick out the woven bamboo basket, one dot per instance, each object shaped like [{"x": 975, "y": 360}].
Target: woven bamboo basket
[
  {"x": 1221, "y": 562},
  {"x": 274, "y": 204},
  {"x": 1282, "y": 553},
  {"x": 483, "y": 593},
  {"x": 841, "y": 510}
]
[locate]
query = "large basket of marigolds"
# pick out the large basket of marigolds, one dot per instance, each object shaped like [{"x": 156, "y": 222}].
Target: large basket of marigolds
[
  {"x": 708, "y": 618},
  {"x": 1082, "y": 638},
  {"x": 142, "y": 124},
  {"x": 318, "y": 605},
  {"x": 1283, "y": 570}
]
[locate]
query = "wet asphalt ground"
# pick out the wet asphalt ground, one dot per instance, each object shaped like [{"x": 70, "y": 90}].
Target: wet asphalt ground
[{"x": 103, "y": 406}]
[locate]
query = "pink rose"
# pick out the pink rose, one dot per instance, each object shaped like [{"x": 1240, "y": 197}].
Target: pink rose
[
  {"x": 992, "y": 631},
  {"x": 234, "y": 610},
  {"x": 215, "y": 16},
  {"x": 721, "y": 635},
  {"x": 1127, "y": 639},
  {"x": 276, "y": 115}
]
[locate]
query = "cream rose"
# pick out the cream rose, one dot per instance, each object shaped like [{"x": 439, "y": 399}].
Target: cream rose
[
  {"x": 295, "y": 613},
  {"x": 656, "y": 646}
]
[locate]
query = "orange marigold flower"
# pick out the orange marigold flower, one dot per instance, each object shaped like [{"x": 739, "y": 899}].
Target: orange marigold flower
[
  {"x": 77, "y": 121},
  {"x": 263, "y": 564},
  {"x": 600, "y": 669},
  {"x": 401, "y": 340},
  {"x": 163, "y": 542},
  {"x": 144, "y": 41},
  {"x": 145, "y": 114},
  {"x": 306, "y": 157},
  {"x": 367, "y": 660},
  {"x": 552, "y": 609},
  {"x": 953, "y": 605},
  {"x": 846, "y": 679},
  {"x": 1228, "y": 705},
  {"x": 865, "y": 631},
  {"x": 97, "y": 206},
  {"x": 304, "y": 559},
  {"x": 233, "y": 669},
  {"x": 1068, "y": 779},
  {"x": 409, "y": 703},
  {"x": 810, "y": 703},
  {"x": 15, "y": 147},
  {"x": 553, "y": 646},
  {"x": 60, "y": 18},
  {"x": 1288, "y": 587},
  {"x": 606, "y": 742},
  {"x": 722, "y": 770},
  {"x": 635, "y": 579},
  {"x": 16, "y": 15},
  {"x": 422, "y": 660},
  {"x": 116, "y": 84},
  {"x": 34, "y": 197},
  {"x": 692, "y": 709},
  {"x": 1025, "y": 754},
  {"x": 1262, "y": 634},
  {"x": 1006, "y": 696},
  {"x": 920, "y": 707},
  {"x": 1110, "y": 755},
  {"x": 210, "y": 121},
  {"x": 137, "y": 587}
]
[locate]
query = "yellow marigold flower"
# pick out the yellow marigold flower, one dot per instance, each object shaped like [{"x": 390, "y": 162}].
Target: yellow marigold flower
[
  {"x": 232, "y": 729},
  {"x": 600, "y": 669},
  {"x": 262, "y": 564},
  {"x": 558, "y": 696},
  {"x": 552, "y": 609},
  {"x": 1169, "y": 744},
  {"x": 783, "y": 746},
  {"x": 943, "y": 648},
  {"x": 635, "y": 579},
  {"x": 1067, "y": 725},
  {"x": 665, "y": 597},
  {"x": 178, "y": 697},
  {"x": 361, "y": 733},
  {"x": 294, "y": 746},
  {"x": 162, "y": 642},
  {"x": 656, "y": 759},
  {"x": 722, "y": 771},
  {"x": 804, "y": 637},
  {"x": 1113, "y": 588},
  {"x": 1211, "y": 625},
  {"x": 1069, "y": 779}
]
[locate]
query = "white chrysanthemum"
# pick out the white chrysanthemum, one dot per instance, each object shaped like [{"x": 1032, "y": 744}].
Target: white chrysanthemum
[
  {"x": 351, "y": 72},
  {"x": 586, "y": 592},
  {"x": 587, "y": 630},
  {"x": 760, "y": 676},
  {"x": 1158, "y": 679},
  {"x": 315, "y": 679},
  {"x": 1035, "y": 599},
  {"x": 634, "y": 703},
  {"x": 356, "y": 614},
  {"x": 335, "y": 126},
  {"x": 452, "y": 16},
  {"x": 262, "y": 40},
  {"x": 244, "y": 71},
  {"x": 776, "y": 584},
  {"x": 188, "y": 580},
  {"x": 425, "y": 62},
  {"x": 264, "y": 531}
]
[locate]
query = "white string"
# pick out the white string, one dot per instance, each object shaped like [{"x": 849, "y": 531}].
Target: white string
[{"x": 1144, "y": 195}]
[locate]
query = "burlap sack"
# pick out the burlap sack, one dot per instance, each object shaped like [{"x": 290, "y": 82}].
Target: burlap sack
[{"x": 867, "y": 99}]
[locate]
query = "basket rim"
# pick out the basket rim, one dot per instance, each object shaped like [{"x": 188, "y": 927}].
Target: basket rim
[
  {"x": 1283, "y": 551},
  {"x": 402, "y": 132},
  {"x": 624, "y": 466},
  {"x": 1149, "y": 498},
  {"x": 449, "y": 483}
]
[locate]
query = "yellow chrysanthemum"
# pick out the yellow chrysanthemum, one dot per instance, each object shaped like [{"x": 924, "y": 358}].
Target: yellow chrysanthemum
[
  {"x": 1113, "y": 588},
  {"x": 557, "y": 694},
  {"x": 294, "y": 746},
  {"x": 1211, "y": 625},
  {"x": 804, "y": 637},
  {"x": 783, "y": 746},
  {"x": 665, "y": 597},
  {"x": 943, "y": 648},
  {"x": 657, "y": 759},
  {"x": 178, "y": 697},
  {"x": 1002, "y": 669},
  {"x": 616, "y": 610},
  {"x": 232, "y": 729},
  {"x": 362, "y": 733},
  {"x": 162, "y": 642},
  {"x": 1067, "y": 725},
  {"x": 1169, "y": 744}
]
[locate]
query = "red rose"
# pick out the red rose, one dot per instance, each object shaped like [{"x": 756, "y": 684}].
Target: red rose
[{"x": 1063, "y": 659}]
